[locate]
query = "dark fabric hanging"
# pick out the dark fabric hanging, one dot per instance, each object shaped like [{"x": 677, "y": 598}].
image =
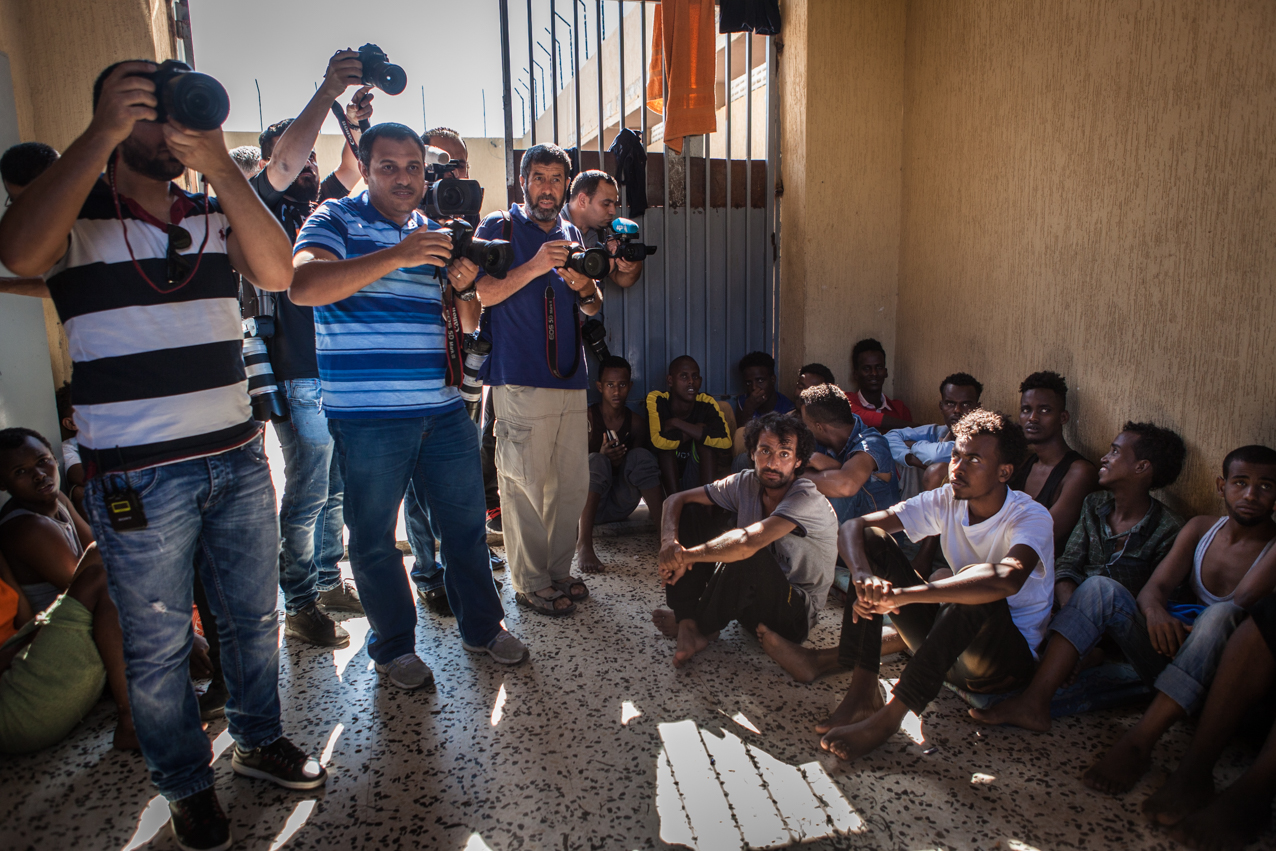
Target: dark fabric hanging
[
  {"x": 573, "y": 153},
  {"x": 631, "y": 169},
  {"x": 761, "y": 17}
]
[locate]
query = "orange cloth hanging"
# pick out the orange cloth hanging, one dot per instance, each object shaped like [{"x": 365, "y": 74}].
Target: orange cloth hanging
[
  {"x": 684, "y": 41},
  {"x": 8, "y": 611}
]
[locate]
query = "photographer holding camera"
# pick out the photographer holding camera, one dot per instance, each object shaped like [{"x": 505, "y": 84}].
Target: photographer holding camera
[
  {"x": 141, "y": 275},
  {"x": 591, "y": 206},
  {"x": 289, "y": 186},
  {"x": 538, "y": 383},
  {"x": 389, "y": 298}
]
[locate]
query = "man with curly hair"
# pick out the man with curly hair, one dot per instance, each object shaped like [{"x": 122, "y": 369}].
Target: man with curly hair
[
  {"x": 773, "y": 565},
  {"x": 977, "y": 628}
]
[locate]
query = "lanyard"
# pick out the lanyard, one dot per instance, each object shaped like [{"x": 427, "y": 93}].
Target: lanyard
[{"x": 551, "y": 336}]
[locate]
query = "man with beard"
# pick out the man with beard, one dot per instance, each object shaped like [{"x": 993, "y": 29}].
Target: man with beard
[
  {"x": 142, "y": 275},
  {"x": 376, "y": 270},
  {"x": 538, "y": 377},
  {"x": 289, "y": 185},
  {"x": 976, "y": 628},
  {"x": 771, "y": 567}
]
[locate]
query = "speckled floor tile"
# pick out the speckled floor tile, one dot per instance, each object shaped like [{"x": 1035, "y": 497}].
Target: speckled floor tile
[{"x": 599, "y": 743}]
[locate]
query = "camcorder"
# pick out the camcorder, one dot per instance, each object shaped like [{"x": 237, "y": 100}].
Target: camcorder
[
  {"x": 493, "y": 256},
  {"x": 625, "y": 231},
  {"x": 448, "y": 197},
  {"x": 188, "y": 97},
  {"x": 591, "y": 262},
  {"x": 379, "y": 71}
]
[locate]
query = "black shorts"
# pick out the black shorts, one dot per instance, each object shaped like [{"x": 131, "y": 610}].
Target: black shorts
[{"x": 1264, "y": 614}]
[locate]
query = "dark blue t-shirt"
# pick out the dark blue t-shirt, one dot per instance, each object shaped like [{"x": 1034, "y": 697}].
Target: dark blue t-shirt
[{"x": 516, "y": 326}]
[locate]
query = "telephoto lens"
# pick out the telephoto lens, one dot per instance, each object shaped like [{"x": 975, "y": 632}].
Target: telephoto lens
[
  {"x": 493, "y": 256},
  {"x": 380, "y": 72},
  {"x": 191, "y": 99},
  {"x": 591, "y": 262},
  {"x": 267, "y": 400},
  {"x": 594, "y": 334},
  {"x": 476, "y": 352}
]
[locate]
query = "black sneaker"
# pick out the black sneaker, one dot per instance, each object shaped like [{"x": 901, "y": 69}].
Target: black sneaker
[
  {"x": 342, "y": 598},
  {"x": 498, "y": 561},
  {"x": 494, "y": 521},
  {"x": 212, "y": 703},
  {"x": 314, "y": 626},
  {"x": 199, "y": 823},
  {"x": 281, "y": 762},
  {"x": 435, "y": 600}
]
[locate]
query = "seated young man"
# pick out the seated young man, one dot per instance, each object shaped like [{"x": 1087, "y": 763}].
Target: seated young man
[
  {"x": 810, "y": 375},
  {"x": 976, "y": 629},
  {"x": 854, "y": 470},
  {"x": 1054, "y": 474},
  {"x": 68, "y": 641},
  {"x": 928, "y": 447},
  {"x": 622, "y": 469},
  {"x": 1220, "y": 558},
  {"x": 868, "y": 363},
  {"x": 757, "y": 369},
  {"x": 1237, "y": 815},
  {"x": 771, "y": 568},
  {"x": 686, "y": 426},
  {"x": 74, "y": 477}
]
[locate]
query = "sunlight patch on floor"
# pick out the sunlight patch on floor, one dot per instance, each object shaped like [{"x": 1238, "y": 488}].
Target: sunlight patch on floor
[
  {"x": 296, "y": 819},
  {"x": 153, "y": 818},
  {"x": 629, "y": 712},
  {"x": 912, "y": 726},
  {"x": 498, "y": 711},
  {"x": 358, "y": 629}
]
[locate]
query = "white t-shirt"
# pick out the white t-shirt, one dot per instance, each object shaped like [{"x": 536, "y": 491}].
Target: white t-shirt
[
  {"x": 70, "y": 452},
  {"x": 1021, "y": 520}
]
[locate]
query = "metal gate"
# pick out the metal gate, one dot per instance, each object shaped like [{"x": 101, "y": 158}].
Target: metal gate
[{"x": 711, "y": 289}]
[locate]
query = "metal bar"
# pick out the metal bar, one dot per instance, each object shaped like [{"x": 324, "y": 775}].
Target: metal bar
[
  {"x": 531, "y": 70},
  {"x": 599, "y": 63},
  {"x": 668, "y": 210},
  {"x": 748, "y": 177},
  {"x": 642, "y": 42},
  {"x": 772, "y": 219},
  {"x": 553, "y": 71},
  {"x": 686, "y": 238},
  {"x": 575, "y": 40},
  {"x": 622, "y": 121},
  {"x": 708, "y": 350},
  {"x": 727, "y": 156},
  {"x": 506, "y": 98}
]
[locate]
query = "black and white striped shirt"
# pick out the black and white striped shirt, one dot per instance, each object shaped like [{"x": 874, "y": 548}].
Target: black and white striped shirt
[{"x": 158, "y": 377}]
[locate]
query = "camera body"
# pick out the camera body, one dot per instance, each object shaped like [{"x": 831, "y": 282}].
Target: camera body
[
  {"x": 448, "y": 197},
  {"x": 493, "y": 256},
  {"x": 594, "y": 333},
  {"x": 591, "y": 262},
  {"x": 625, "y": 231},
  {"x": 379, "y": 71},
  {"x": 188, "y": 97}
]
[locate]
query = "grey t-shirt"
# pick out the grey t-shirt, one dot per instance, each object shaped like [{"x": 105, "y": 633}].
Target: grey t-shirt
[{"x": 808, "y": 553}]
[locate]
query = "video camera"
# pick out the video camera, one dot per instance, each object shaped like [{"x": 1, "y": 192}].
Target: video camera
[
  {"x": 448, "y": 197},
  {"x": 493, "y": 256},
  {"x": 188, "y": 97},
  {"x": 625, "y": 231}
]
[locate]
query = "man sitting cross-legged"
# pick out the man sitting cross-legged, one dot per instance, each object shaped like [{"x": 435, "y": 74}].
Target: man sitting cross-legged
[
  {"x": 1054, "y": 474},
  {"x": 686, "y": 428},
  {"x": 622, "y": 469},
  {"x": 976, "y": 629},
  {"x": 1237, "y": 815},
  {"x": 854, "y": 470},
  {"x": 772, "y": 566},
  {"x": 68, "y": 640},
  {"x": 1222, "y": 558},
  {"x": 928, "y": 447}
]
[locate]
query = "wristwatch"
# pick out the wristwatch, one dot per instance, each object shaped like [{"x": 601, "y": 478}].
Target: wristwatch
[
  {"x": 593, "y": 297},
  {"x": 468, "y": 294}
]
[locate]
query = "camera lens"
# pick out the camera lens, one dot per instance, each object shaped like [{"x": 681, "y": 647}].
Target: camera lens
[
  {"x": 196, "y": 101},
  {"x": 450, "y": 197},
  {"x": 496, "y": 258}
]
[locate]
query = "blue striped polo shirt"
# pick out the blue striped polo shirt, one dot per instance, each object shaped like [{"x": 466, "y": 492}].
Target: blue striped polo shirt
[{"x": 382, "y": 351}]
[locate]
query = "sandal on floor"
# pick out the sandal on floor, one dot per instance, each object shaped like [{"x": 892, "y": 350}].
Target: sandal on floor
[
  {"x": 565, "y": 586},
  {"x": 545, "y": 605}
]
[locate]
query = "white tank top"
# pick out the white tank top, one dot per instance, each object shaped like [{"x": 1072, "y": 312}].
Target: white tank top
[
  {"x": 42, "y": 594},
  {"x": 1203, "y": 595}
]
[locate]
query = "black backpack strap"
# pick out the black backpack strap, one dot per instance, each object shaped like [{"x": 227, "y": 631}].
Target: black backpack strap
[{"x": 1046, "y": 497}]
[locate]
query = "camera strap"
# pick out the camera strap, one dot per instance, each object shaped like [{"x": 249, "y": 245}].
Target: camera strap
[
  {"x": 551, "y": 336},
  {"x": 345, "y": 128},
  {"x": 453, "y": 337}
]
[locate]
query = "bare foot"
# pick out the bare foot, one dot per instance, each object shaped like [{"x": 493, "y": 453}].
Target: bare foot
[
  {"x": 1118, "y": 770},
  {"x": 665, "y": 622},
  {"x": 1017, "y": 711},
  {"x": 125, "y": 738},
  {"x": 1182, "y": 794},
  {"x": 801, "y": 663},
  {"x": 855, "y": 740},
  {"x": 690, "y": 642},
  {"x": 892, "y": 641},
  {"x": 849, "y": 712},
  {"x": 588, "y": 560},
  {"x": 1231, "y": 821}
]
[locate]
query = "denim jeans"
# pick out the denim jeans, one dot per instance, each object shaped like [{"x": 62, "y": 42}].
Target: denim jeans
[
  {"x": 427, "y": 570},
  {"x": 1102, "y": 605},
  {"x": 307, "y": 448},
  {"x": 330, "y": 544},
  {"x": 439, "y": 456},
  {"x": 214, "y": 515}
]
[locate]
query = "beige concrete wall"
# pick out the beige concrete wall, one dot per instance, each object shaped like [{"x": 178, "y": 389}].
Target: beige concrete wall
[
  {"x": 1085, "y": 186},
  {"x": 841, "y": 117}
]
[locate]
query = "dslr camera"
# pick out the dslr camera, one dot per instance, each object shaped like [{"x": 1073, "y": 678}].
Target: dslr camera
[
  {"x": 493, "y": 256},
  {"x": 379, "y": 71},
  {"x": 625, "y": 231},
  {"x": 188, "y": 97},
  {"x": 268, "y": 400},
  {"x": 448, "y": 197},
  {"x": 591, "y": 262}
]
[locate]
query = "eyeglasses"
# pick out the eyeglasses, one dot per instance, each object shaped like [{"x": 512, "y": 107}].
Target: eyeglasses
[{"x": 179, "y": 267}]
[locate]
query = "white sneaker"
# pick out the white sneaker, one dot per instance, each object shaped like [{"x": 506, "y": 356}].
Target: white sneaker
[
  {"x": 408, "y": 671},
  {"x": 504, "y": 648}
]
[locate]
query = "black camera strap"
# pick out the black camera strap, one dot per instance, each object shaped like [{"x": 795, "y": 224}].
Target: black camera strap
[
  {"x": 454, "y": 337},
  {"x": 551, "y": 336},
  {"x": 345, "y": 128}
]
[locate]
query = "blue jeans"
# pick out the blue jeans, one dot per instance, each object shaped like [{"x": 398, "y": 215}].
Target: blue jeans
[
  {"x": 439, "y": 456},
  {"x": 215, "y": 516},
  {"x": 1102, "y": 605},
  {"x": 307, "y": 448},
  {"x": 427, "y": 571}
]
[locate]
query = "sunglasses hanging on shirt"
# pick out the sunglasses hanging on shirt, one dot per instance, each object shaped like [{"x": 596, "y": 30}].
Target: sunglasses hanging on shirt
[{"x": 179, "y": 267}]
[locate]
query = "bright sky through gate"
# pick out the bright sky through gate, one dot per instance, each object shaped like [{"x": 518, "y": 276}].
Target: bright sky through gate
[{"x": 452, "y": 47}]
